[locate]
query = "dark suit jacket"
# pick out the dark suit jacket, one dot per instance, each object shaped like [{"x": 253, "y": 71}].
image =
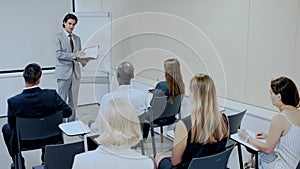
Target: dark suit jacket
[{"x": 35, "y": 102}]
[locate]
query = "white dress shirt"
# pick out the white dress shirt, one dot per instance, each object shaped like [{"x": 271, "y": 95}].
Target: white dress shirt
[{"x": 137, "y": 98}]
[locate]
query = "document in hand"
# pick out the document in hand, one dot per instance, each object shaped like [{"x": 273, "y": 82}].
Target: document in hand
[{"x": 91, "y": 53}]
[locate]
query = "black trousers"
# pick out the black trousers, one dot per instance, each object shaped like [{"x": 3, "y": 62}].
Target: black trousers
[{"x": 160, "y": 122}]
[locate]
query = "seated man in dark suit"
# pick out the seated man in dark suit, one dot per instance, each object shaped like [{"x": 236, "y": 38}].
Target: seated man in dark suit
[{"x": 32, "y": 102}]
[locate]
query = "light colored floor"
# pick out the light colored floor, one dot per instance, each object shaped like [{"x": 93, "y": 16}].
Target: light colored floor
[{"x": 86, "y": 113}]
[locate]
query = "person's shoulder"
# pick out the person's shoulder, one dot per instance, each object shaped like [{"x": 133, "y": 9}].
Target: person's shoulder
[
  {"x": 280, "y": 120},
  {"x": 75, "y": 36},
  {"x": 13, "y": 98},
  {"x": 49, "y": 90},
  {"x": 138, "y": 91},
  {"x": 160, "y": 83},
  {"x": 88, "y": 154},
  {"x": 105, "y": 98},
  {"x": 107, "y": 95},
  {"x": 278, "y": 117}
]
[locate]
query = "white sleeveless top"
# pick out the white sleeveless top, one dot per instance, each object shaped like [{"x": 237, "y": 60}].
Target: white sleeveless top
[{"x": 287, "y": 151}]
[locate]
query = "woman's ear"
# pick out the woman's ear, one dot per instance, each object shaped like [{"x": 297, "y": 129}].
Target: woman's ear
[{"x": 278, "y": 96}]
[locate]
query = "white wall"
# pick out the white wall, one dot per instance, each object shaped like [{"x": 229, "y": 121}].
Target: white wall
[
  {"x": 256, "y": 41},
  {"x": 27, "y": 28}
]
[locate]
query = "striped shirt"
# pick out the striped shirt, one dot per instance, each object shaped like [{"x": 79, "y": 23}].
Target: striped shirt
[{"x": 287, "y": 150}]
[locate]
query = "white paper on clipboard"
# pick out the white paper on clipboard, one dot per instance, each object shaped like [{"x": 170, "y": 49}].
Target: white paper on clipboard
[{"x": 91, "y": 53}]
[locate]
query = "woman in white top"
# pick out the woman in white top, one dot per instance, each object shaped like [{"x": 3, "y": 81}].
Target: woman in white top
[
  {"x": 282, "y": 147},
  {"x": 119, "y": 130}
]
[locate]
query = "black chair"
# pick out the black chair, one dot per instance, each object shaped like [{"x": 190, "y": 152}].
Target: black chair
[
  {"x": 157, "y": 108},
  {"x": 216, "y": 161},
  {"x": 61, "y": 156},
  {"x": 37, "y": 130},
  {"x": 163, "y": 109},
  {"x": 235, "y": 121},
  {"x": 172, "y": 108}
]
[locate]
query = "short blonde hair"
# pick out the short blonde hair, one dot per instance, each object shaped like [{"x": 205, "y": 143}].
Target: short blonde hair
[{"x": 119, "y": 124}]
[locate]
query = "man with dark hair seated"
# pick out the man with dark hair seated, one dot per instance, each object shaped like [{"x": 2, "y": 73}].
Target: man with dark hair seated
[{"x": 32, "y": 102}]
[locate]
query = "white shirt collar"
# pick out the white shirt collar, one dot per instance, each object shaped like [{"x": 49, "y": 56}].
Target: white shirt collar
[
  {"x": 31, "y": 87},
  {"x": 67, "y": 34},
  {"x": 124, "y": 87}
]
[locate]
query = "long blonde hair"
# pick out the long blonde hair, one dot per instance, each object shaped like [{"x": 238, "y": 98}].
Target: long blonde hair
[
  {"x": 173, "y": 77},
  {"x": 119, "y": 124},
  {"x": 208, "y": 124}
]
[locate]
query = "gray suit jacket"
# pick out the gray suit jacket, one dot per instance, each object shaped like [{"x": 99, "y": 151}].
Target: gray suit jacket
[{"x": 65, "y": 57}]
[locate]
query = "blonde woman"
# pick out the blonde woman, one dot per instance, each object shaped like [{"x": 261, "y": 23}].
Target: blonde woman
[
  {"x": 282, "y": 148},
  {"x": 203, "y": 133},
  {"x": 171, "y": 87},
  {"x": 119, "y": 130}
]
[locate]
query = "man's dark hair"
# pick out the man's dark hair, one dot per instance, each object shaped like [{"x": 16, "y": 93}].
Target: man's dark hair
[
  {"x": 32, "y": 73},
  {"x": 69, "y": 16}
]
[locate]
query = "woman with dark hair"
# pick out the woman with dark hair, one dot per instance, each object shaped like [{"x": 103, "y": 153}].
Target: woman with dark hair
[{"x": 282, "y": 148}]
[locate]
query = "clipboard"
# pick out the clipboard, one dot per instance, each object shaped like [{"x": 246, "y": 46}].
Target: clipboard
[{"x": 91, "y": 53}]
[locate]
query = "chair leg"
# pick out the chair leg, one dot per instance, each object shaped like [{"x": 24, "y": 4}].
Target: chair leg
[
  {"x": 153, "y": 140},
  {"x": 18, "y": 161},
  {"x": 142, "y": 147},
  {"x": 240, "y": 156},
  {"x": 161, "y": 134}
]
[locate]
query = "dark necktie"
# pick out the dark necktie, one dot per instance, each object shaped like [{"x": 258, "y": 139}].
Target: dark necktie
[{"x": 71, "y": 42}]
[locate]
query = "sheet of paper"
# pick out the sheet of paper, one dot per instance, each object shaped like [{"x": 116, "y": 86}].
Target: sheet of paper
[
  {"x": 237, "y": 138},
  {"x": 91, "y": 53}
]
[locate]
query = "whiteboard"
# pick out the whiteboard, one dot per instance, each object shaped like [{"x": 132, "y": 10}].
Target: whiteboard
[
  {"x": 94, "y": 29},
  {"x": 27, "y": 28}
]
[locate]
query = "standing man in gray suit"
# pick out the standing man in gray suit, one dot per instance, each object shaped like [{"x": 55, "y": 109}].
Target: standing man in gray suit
[{"x": 67, "y": 48}]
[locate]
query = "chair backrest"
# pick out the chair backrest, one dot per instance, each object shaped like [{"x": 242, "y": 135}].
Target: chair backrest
[
  {"x": 61, "y": 156},
  {"x": 235, "y": 121},
  {"x": 158, "y": 106},
  {"x": 172, "y": 107},
  {"x": 216, "y": 161},
  {"x": 29, "y": 128}
]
